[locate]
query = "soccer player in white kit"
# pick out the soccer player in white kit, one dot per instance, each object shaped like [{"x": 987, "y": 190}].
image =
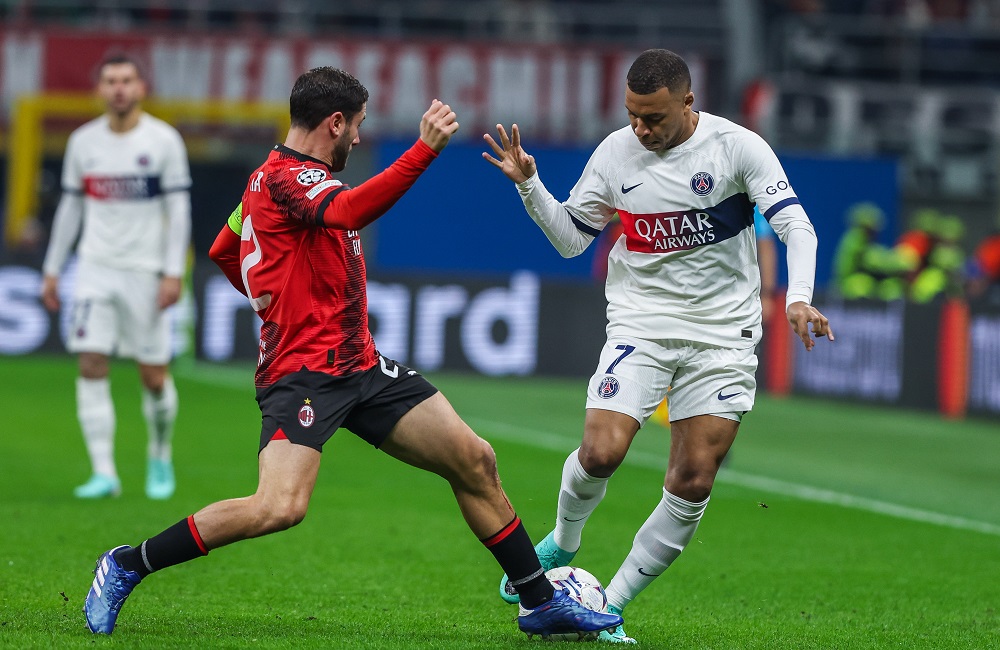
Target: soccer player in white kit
[
  {"x": 684, "y": 308},
  {"x": 125, "y": 179}
]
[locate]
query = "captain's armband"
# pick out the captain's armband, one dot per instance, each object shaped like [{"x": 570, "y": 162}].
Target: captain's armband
[{"x": 236, "y": 220}]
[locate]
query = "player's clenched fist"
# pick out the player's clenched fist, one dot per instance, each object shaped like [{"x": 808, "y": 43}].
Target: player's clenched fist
[{"x": 437, "y": 126}]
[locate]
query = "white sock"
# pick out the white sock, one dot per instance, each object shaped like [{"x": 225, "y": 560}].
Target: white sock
[
  {"x": 96, "y": 413},
  {"x": 658, "y": 543},
  {"x": 160, "y": 411},
  {"x": 579, "y": 495}
]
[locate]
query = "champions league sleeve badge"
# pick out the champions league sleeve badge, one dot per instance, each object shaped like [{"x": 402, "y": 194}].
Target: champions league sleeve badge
[
  {"x": 310, "y": 176},
  {"x": 702, "y": 183}
]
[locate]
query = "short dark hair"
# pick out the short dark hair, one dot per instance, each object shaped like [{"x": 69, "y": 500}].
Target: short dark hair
[
  {"x": 655, "y": 69},
  {"x": 321, "y": 92},
  {"x": 119, "y": 58}
]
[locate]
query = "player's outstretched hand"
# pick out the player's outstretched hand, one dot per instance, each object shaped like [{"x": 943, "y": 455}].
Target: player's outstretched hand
[
  {"x": 800, "y": 315},
  {"x": 437, "y": 125},
  {"x": 50, "y": 293},
  {"x": 511, "y": 159}
]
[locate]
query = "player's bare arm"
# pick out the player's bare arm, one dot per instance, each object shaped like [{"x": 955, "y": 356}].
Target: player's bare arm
[
  {"x": 437, "y": 125},
  {"x": 169, "y": 293},
  {"x": 801, "y": 315},
  {"x": 50, "y": 292},
  {"x": 511, "y": 159}
]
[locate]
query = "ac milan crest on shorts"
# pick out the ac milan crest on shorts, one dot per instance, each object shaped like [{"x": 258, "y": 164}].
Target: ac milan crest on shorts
[{"x": 307, "y": 407}]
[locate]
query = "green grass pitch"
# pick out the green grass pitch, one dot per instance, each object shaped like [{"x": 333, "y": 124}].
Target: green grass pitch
[{"x": 833, "y": 526}]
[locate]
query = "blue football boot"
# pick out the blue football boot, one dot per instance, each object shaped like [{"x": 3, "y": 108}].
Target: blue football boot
[
  {"x": 549, "y": 555},
  {"x": 564, "y": 619},
  {"x": 112, "y": 585}
]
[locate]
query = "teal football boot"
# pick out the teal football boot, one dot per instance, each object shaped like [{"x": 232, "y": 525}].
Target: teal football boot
[
  {"x": 617, "y": 634},
  {"x": 99, "y": 486}
]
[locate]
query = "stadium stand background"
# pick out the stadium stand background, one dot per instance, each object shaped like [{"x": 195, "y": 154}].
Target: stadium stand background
[{"x": 894, "y": 101}]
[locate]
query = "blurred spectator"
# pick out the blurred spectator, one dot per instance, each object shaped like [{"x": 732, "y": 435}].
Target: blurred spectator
[
  {"x": 864, "y": 268},
  {"x": 983, "y": 268},
  {"x": 926, "y": 262},
  {"x": 915, "y": 245},
  {"x": 942, "y": 274}
]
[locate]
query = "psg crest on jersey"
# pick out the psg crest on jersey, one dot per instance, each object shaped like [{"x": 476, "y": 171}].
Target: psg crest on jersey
[
  {"x": 702, "y": 183},
  {"x": 608, "y": 388}
]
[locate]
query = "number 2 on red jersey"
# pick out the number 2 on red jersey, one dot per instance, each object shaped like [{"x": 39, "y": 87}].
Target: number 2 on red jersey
[{"x": 251, "y": 260}]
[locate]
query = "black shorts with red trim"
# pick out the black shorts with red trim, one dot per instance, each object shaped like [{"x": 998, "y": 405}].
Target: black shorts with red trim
[{"x": 307, "y": 407}]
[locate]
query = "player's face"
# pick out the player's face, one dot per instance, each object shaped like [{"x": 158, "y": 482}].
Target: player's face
[
  {"x": 660, "y": 120},
  {"x": 346, "y": 140},
  {"x": 121, "y": 88}
]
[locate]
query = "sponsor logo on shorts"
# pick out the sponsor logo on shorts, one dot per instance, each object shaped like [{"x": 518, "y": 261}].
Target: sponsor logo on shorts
[
  {"x": 307, "y": 415},
  {"x": 311, "y": 176},
  {"x": 608, "y": 388},
  {"x": 725, "y": 397},
  {"x": 702, "y": 183}
]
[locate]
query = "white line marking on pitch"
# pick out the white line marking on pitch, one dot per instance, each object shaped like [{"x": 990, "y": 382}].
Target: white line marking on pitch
[{"x": 557, "y": 442}]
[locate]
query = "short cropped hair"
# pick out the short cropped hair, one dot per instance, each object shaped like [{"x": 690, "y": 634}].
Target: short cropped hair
[
  {"x": 655, "y": 69},
  {"x": 119, "y": 58},
  {"x": 321, "y": 92}
]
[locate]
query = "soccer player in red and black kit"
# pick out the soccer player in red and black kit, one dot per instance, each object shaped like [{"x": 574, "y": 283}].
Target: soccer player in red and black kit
[{"x": 297, "y": 256}]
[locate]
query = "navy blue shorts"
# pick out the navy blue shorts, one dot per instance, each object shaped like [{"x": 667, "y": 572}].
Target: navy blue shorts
[{"x": 307, "y": 407}]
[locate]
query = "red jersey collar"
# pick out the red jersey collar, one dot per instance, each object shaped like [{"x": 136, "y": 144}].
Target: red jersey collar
[{"x": 282, "y": 149}]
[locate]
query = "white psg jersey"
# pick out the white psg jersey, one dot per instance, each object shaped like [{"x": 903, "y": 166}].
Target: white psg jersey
[
  {"x": 686, "y": 266},
  {"x": 123, "y": 178}
]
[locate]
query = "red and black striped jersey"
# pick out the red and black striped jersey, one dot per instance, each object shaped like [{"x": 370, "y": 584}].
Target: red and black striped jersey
[{"x": 302, "y": 264}]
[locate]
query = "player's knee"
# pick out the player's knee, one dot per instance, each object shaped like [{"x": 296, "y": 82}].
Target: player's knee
[
  {"x": 694, "y": 486},
  {"x": 93, "y": 366},
  {"x": 479, "y": 466},
  {"x": 280, "y": 516},
  {"x": 153, "y": 378},
  {"x": 285, "y": 519},
  {"x": 601, "y": 462},
  {"x": 154, "y": 385}
]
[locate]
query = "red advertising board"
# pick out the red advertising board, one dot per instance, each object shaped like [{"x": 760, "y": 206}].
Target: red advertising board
[{"x": 561, "y": 93}]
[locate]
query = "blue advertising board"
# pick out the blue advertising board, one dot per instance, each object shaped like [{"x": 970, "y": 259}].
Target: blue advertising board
[
  {"x": 828, "y": 187},
  {"x": 463, "y": 216}
]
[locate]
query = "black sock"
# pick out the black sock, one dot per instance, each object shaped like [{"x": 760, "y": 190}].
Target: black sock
[
  {"x": 179, "y": 543},
  {"x": 514, "y": 552}
]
